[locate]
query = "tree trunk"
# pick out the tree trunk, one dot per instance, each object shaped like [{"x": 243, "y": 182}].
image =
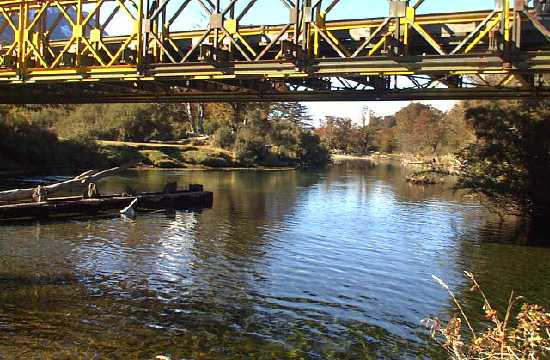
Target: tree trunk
[
  {"x": 200, "y": 122},
  {"x": 79, "y": 182},
  {"x": 236, "y": 116},
  {"x": 191, "y": 118},
  {"x": 538, "y": 231}
]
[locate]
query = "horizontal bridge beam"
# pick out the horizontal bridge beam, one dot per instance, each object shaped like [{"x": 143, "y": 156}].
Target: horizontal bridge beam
[
  {"x": 311, "y": 96},
  {"x": 403, "y": 56}
]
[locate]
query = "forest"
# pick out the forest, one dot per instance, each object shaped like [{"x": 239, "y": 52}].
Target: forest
[
  {"x": 415, "y": 129},
  {"x": 212, "y": 135}
]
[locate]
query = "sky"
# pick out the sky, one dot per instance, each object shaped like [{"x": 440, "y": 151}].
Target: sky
[
  {"x": 354, "y": 109},
  {"x": 274, "y": 12}
]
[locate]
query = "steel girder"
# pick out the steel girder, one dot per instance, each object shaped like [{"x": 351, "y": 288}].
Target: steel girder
[{"x": 61, "y": 51}]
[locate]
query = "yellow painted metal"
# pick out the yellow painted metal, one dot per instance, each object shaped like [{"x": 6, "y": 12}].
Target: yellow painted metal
[
  {"x": 378, "y": 45},
  {"x": 91, "y": 54},
  {"x": 231, "y": 26},
  {"x": 138, "y": 27},
  {"x": 321, "y": 24},
  {"x": 95, "y": 35},
  {"x": 246, "y": 44},
  {"x": 429, "y": 39},
  {"x": 490, "y": 26},
  {"x": 506, "y": 18}
]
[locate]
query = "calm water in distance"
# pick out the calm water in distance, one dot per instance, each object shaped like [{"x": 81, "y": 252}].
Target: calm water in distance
[{"x": 286, "y": 265}]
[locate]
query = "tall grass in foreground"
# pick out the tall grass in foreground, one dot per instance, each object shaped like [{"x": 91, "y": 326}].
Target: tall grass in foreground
[{"x": 525, "y": 335}]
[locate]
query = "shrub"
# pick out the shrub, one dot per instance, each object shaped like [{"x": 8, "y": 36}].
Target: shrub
[
  {"x": 116, "y": 155},
  {"x": 250, "y": 147},
  {"x": 27, "y": 143},
  {"x": 224, "y": 137},
  {"x": 525, "y": 337},
  {"x": 142, "y": 127},
  {"x": 207, "y": 158},
  {"x": 311, "y": 152}
]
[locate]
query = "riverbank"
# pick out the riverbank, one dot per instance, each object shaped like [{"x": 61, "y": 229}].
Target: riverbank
[
  {"x": 168, "y": 156},
  {"x": 193, "y": 156},
  {"x": 68, "y": 155}
]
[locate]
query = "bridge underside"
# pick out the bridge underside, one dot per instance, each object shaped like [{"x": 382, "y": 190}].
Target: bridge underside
[{"x": 493, "y": 54}]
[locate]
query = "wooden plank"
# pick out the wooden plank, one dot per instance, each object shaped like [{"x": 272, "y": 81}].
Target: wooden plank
[{"x": 58, "y": 207}]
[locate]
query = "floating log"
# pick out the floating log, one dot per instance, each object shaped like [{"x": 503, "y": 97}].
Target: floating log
[
  {"x": 79, "y": 182},
  {"x": 77, "y": 205}
]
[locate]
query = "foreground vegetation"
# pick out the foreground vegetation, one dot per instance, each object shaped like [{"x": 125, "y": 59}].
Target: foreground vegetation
[
  {"x": 517, "y": 334},
  {"x": 165, "y": 136}
]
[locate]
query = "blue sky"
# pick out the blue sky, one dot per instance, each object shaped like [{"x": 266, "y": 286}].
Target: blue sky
[{"x": 274, "y": 12}]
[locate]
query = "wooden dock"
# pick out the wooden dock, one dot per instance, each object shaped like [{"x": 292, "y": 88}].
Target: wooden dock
[{"x": 77, "y": 205}]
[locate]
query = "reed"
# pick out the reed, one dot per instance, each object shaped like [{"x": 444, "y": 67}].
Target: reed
[{"x": 522, "y": 332}]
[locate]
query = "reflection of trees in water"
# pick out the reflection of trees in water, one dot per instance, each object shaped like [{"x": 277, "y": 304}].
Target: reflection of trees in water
[
  {"x": 389, "y": 173},
  {"x": 249, "y": 205}
]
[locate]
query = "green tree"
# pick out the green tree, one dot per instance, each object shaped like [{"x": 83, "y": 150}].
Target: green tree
[
  {"x": 384, "y": 140},
  {"x": 224, "y": 137},
  {"x": 336, "y": 132},
  {"x": 293, "y": 112},
  {"x": 311, "y": 152},
  {"x": 258, "y": 133},
  {"x": 250, "y": 147},
  {"x": 457, "y": 131},
  {"x": 510, "y": 161}
]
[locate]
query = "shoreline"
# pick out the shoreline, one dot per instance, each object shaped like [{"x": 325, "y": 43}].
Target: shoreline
[
  {"x": 144, "y": 168},
  {"x": 448, "y": 164},
  {"x": 259, "y": 168},
  {"x": 389, "y": 157}
]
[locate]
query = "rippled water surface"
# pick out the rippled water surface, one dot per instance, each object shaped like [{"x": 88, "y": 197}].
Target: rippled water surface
[{"x": 286, "y": 265}]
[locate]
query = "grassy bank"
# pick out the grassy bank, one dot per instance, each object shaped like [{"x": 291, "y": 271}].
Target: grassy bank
[
  {"x": 168, "y": 156},
  {"x": 59, "y": 155}
]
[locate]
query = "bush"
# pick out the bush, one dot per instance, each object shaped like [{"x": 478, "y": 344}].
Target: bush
[
  {"x": 223, "y": 137},
  {"x": 250, "y": 147},
  {"x": 116, "y": 155},
  {"x": 207, "y": 158},
  {"x": 311, "y": 152},
  {"x": 140, "y": 126},
  {"x": 509, "y": 164},
  {"x": 30, "y": 145},
  {"x": 525, "y": 337}
]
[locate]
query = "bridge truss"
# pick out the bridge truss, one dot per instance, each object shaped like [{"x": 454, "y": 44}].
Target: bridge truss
[{"x": 60, "y": 51}]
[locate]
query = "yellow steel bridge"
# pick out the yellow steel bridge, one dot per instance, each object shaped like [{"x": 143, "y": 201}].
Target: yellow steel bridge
[{"x": 62, "y": 51}]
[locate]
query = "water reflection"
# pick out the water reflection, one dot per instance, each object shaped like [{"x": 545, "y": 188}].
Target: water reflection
[{"x": 285, "y": 264}]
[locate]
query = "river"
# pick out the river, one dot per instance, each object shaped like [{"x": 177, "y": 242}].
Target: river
[{"x": 335, "y": 264}]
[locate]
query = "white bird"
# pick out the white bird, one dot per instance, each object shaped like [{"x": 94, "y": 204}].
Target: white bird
[{"x": 129, "y": 210}]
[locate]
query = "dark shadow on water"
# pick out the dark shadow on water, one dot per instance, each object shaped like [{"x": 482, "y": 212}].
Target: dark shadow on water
[{"x": 10, "y": 280}]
